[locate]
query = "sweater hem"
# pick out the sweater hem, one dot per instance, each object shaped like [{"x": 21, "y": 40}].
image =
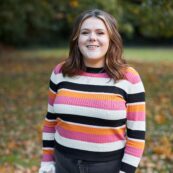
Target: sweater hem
[{"x": 89, "y": 155}]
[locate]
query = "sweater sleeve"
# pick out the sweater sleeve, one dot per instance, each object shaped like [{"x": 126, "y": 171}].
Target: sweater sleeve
[
  {"x": 50, "y": 122},
  {"x": 135, "y": 124}
]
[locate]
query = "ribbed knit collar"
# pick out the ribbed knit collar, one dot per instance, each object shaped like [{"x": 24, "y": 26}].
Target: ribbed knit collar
[{"x": 95, "y": 70}]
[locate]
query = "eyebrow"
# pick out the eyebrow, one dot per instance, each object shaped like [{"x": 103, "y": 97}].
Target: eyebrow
[{"x": 89, "y": 29}]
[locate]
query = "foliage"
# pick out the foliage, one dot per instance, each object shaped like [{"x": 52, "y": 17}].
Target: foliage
[
  {"x": 149, "y": 18},
  {"x": 50, "y": 22},
  {"x": 24, "y": 20},
  {"x": 23, "y": 100}
]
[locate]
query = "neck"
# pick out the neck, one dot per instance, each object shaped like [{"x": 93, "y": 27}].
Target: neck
[
  {"x": 95, "y": 69},
  {"x": 94, "y": 63}
]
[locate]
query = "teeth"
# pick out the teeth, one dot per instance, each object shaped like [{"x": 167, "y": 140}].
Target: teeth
[{"x": 92, "y": 46}]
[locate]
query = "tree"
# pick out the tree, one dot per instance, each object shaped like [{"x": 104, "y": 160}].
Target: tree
[
  {"x": 149, "y": 18},
  {"x": 50, "y": 21}
]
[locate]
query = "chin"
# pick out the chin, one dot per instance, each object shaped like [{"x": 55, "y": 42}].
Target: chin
[{"x": 94, "y": 57}]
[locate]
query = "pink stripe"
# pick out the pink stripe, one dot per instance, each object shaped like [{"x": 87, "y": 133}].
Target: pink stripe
[
  {"x": 138, "y": 116},
  {"x": 100, "y": 75},
  {"x": 89, "y": 137},
  {"x": 51, "y": 101},
  {"x": 48, "y": 129},
  {"x": 47, "y": 157},
  {"x": 133, "y": 78},
  {"x": 111, "y": 105},
  {"x": 134, "y": 151},
  {"x": 57, "y": 68}
]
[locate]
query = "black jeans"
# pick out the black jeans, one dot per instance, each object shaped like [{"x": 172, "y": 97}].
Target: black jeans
[{"x": 68, "y": 165}]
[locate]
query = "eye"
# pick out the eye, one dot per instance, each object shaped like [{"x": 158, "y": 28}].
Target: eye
[
  {"x": 100, "y": 33},
  {"x": 84, "y": 33}
]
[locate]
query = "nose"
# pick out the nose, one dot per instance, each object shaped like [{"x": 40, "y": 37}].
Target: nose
[{"x": 92, "y": 37}]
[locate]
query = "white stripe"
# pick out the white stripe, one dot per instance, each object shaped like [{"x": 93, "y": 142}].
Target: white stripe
[
  {"x": 136, "y": 125},
  {"x": 53, "y": 78},
  {"x": 50, "y": 109},
  {"x": 48, "y": 148},
  {"x": 138, "y": 140},
  {"x": 131, "y": 160},
  {"x": 90, "y": 112},
  {"x": 86, "y": 80},
  {"x": 90, "y": 126},
  {"x": 88, "y": 146},
  {"x": 136, "y": 88},
  {"x": 122, "y": 84},
  {"x": 136, "y": 103},
  {"x": 48, "y": 136},
  {"x": 47, "y": 164},
  {"x": 50, "y": 120}
]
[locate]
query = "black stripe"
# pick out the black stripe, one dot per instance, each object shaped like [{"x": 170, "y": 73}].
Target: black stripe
[
  {"x": 51, "y": 116},
  {"x": 48, "y": 143},
  {"x": 92, "y": 121},
  {"x": 89, "y": 155},
  {"x": 139, "y": 97},
  {"x": 53, "y": 86},
  {"x": 135, "y": 134},
  {"x": 127, "y": 168},
  {"x": 92, "y": 88},
  {"x": 95, "y": 70}
]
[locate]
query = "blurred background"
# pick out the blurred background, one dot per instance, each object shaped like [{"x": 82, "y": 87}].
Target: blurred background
[{"x": 34, "y": 37}]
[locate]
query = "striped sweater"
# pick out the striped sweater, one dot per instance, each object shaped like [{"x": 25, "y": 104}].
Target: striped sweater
[{"x": 91, "y": 117}]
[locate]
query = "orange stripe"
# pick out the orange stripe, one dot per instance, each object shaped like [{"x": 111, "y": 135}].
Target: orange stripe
[
  {"x": 90, "y": 130},
  {"x": 94, "y": 96},
  {"x": 49, "y": 124},
  {"x": 132, "y": 70},
  {"x": 51, "y": 94},
  {"x": 136, "y": 108},
  {"x": 135, "y": 144},
  {"x": 48, "y": 151}
]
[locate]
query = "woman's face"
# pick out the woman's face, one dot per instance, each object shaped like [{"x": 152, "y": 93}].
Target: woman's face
[{"x": 93, "y": 42}]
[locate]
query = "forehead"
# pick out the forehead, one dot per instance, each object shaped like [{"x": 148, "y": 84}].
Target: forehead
[{"x": 93, "y": 23}]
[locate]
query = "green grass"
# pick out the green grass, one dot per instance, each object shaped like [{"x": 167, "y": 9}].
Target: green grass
[
  {"x": 134, "y": 53},
  {"x": 17, "y": 159},
  {"x": 23, "y": 99},
  {"x": 149, "y": 54},
  {"x": 41, "y": 53}
]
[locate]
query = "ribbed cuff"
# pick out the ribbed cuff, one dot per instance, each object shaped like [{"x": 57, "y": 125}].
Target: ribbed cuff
[{"x": 47, "y": 167}]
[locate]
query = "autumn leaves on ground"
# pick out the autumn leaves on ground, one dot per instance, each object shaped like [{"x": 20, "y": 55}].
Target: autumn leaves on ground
[{"x": 23, "y": 103}]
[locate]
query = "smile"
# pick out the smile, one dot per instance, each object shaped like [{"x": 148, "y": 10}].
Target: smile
[{"x": 92, "y": 46}]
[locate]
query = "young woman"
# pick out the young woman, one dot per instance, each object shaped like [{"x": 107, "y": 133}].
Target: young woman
[{"x": 96, "y": 109}]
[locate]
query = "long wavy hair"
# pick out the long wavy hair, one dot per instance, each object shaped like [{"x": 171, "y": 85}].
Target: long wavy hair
[{"x": 114, "y": 63}]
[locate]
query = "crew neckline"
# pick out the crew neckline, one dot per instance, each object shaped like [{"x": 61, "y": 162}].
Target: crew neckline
[{"x": 95, "y": 70}]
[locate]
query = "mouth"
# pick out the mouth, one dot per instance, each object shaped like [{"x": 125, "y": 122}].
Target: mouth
[{"x": 92, "y": 46}]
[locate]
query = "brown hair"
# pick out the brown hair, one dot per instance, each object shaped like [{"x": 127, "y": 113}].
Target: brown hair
[{"x": 114, "y": 63}]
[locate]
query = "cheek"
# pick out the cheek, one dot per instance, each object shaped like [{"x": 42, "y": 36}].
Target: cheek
[
  {"x": 106, "y": 45},
  {"x": 81, "y": 44},
  {"x": 81, "y": 40},
  {"x": 105, "y": 41}
]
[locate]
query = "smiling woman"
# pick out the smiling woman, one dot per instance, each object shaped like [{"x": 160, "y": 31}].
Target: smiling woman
[
  {"x": 93, "y": 42},
  {"x": 99, "y": 28},
  {"x": 95, "y": 121}
]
